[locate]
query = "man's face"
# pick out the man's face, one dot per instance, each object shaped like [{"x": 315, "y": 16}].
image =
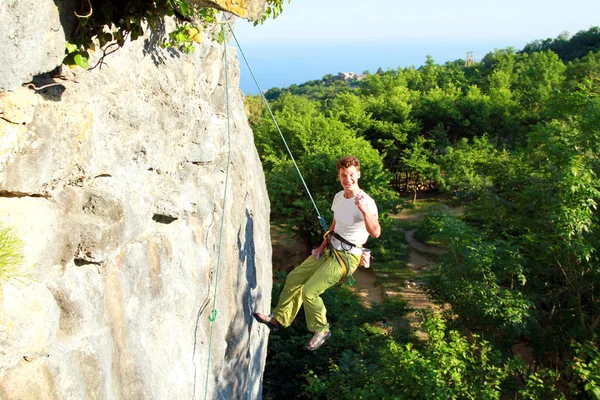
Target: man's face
[{"x": 349, "y": 177}]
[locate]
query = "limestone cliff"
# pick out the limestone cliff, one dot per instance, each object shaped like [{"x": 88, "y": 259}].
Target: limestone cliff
[{"x": 115, "y": 181}]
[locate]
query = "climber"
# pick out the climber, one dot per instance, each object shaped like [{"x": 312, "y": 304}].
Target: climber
[{"x": 355, "y": 217}]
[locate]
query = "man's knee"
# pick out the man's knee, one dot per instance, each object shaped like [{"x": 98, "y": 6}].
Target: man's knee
[{"x": 310, "y": 295}]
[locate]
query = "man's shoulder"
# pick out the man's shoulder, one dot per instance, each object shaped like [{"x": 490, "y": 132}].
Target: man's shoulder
[
  {"x": 337, "y": 198},
  {"x": 371, "y": 203},
  {"x": 367, "y": 196}
]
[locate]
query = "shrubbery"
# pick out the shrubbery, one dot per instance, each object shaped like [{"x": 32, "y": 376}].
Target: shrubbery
[{"x": 11, "y": 252}]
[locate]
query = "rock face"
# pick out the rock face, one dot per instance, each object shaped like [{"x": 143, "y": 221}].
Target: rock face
[
  {"x": 249, "y": 9},
  {"x": 120, "y": 181},
  {"x": 32, "y": 40}
]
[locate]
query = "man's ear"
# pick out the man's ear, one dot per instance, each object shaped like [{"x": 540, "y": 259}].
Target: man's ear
[{"x": 358, "y": 175}]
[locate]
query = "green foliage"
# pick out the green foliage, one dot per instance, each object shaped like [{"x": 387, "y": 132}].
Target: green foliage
[
  {"x": 11, "y": 252},
  {"x": 467, "y": 166},
  {"x": 566, "y": 48},
  {"x": 111, "y": 23},
  {"x": 586, "y": 366},
  {"x": 354, "y": 347},
  {"x": 482, "y": 281},
  {"x": 447, "y": 366},
  {"x": 523, "y": 262},
  {"x": 273, "y": 9},
  {"x": 317, "y": 142},
  {"x": 537, "y": 76},
  {"x": 516, "y": 138},
  {"x": 580, "y": 70},
  {"x": 418, "y": 160},
  {"x": 320, "y": 90}
]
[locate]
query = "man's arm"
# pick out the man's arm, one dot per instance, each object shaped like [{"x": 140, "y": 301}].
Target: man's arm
[
  {"x": 371, "y": 220},
  {"x": 372, "y": 224}
]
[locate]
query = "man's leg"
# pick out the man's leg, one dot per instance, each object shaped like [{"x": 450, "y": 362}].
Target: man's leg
[
  {"x": 328, "y": 275},
  {"x": 290, "y": 299}
]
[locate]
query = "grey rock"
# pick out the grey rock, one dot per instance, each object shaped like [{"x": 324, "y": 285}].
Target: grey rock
[
  {"x": 32, "y": 40},
  {"x": 116, "y": 182}
]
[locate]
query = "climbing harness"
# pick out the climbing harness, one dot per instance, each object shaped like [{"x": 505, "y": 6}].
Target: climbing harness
[{"x": 345, "y": 247}]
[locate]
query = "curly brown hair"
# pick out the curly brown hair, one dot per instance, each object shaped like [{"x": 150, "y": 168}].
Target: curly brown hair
[{"x": 347, "y": 162}]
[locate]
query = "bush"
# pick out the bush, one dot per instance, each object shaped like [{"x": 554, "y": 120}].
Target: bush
[
  {"x": 11, "y": 252},
  {"x": 351, "y": 355}
]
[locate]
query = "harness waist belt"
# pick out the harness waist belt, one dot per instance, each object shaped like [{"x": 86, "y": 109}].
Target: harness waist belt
[
  {"x": 341, "y": 239},
  {"x": 341, "y": 244}
]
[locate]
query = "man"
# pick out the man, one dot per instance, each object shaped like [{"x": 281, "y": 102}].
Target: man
[{"x": 355, "y": 217}]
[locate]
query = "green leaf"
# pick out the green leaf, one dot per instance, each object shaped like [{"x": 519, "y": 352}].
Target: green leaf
[
  {"x": 185, "y": 8},
  {"x": 81, "y": 60},
  {"x": 71, "y": 48}
]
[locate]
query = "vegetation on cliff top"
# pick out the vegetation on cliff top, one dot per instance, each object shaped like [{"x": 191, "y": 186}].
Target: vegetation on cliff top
[{"x": 110, "y": 23}]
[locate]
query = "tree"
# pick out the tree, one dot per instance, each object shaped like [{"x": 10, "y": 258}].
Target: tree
[
  {"x": 438, "y": 107},
  {"x": 587, "y": 67},
  {"x": 467, "y": 167},
  {"x": 351, "y": 110},
  {"x": 536, "y": 76},
  {"x": 566, "y": 47},
  {"x": 419, "y": 162},
  {"x": 523, "y": 262},
  {"x": 391, "y": 123}
]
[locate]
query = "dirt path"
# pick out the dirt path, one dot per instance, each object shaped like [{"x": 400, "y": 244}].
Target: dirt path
[
  {"x": 365, "y": 286},
  {"x": 286, "y": 256},
  {"x": 412, "y": 292}
]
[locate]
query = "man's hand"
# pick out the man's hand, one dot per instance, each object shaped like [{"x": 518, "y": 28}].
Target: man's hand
[
  {"x": 360, "y": 202},
  {"x": 316, "y": 253},
  {"x": 365, "y": 258}
]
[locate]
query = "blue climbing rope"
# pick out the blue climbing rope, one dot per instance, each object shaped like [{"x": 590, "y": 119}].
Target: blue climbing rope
[
  {"x": 321, "y": 219},
  {"x": 213, "y": 314}
]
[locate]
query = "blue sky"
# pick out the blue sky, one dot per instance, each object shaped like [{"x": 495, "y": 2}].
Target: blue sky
[{"x": 314, "y": 37}]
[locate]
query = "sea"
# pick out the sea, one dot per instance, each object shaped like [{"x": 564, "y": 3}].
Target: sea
[{"x": 283, "y": 64}]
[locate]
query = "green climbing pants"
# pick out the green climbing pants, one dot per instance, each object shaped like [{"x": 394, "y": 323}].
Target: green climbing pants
[{"x": 306, "y": 283}]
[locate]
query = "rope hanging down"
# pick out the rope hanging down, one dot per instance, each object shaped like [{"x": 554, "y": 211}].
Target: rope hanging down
[
  {"x": 213, "y": 314},
  {"x": 321, "y": 219}
]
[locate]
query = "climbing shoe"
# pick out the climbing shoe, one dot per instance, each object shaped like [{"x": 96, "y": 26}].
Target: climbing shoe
[
  {"x": 317, "y": 340},
  {"x": 267, "y": 320}
]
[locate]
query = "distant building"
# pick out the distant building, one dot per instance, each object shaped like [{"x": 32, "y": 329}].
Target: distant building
[
  {"x": 346, "y": 76},
  {"x": 360, "y": 77}
]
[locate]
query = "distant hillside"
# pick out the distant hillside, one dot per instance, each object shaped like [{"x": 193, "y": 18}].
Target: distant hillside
[{"x": 567, "y": 48}]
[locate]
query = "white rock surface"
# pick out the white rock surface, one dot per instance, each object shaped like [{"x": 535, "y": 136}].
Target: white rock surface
[
  {"x": 115, "y": 182},
  {"x": 32, "y": 40}
]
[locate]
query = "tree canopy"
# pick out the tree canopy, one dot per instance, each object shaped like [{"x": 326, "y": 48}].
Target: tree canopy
[{"x": 515, "y": 139}]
